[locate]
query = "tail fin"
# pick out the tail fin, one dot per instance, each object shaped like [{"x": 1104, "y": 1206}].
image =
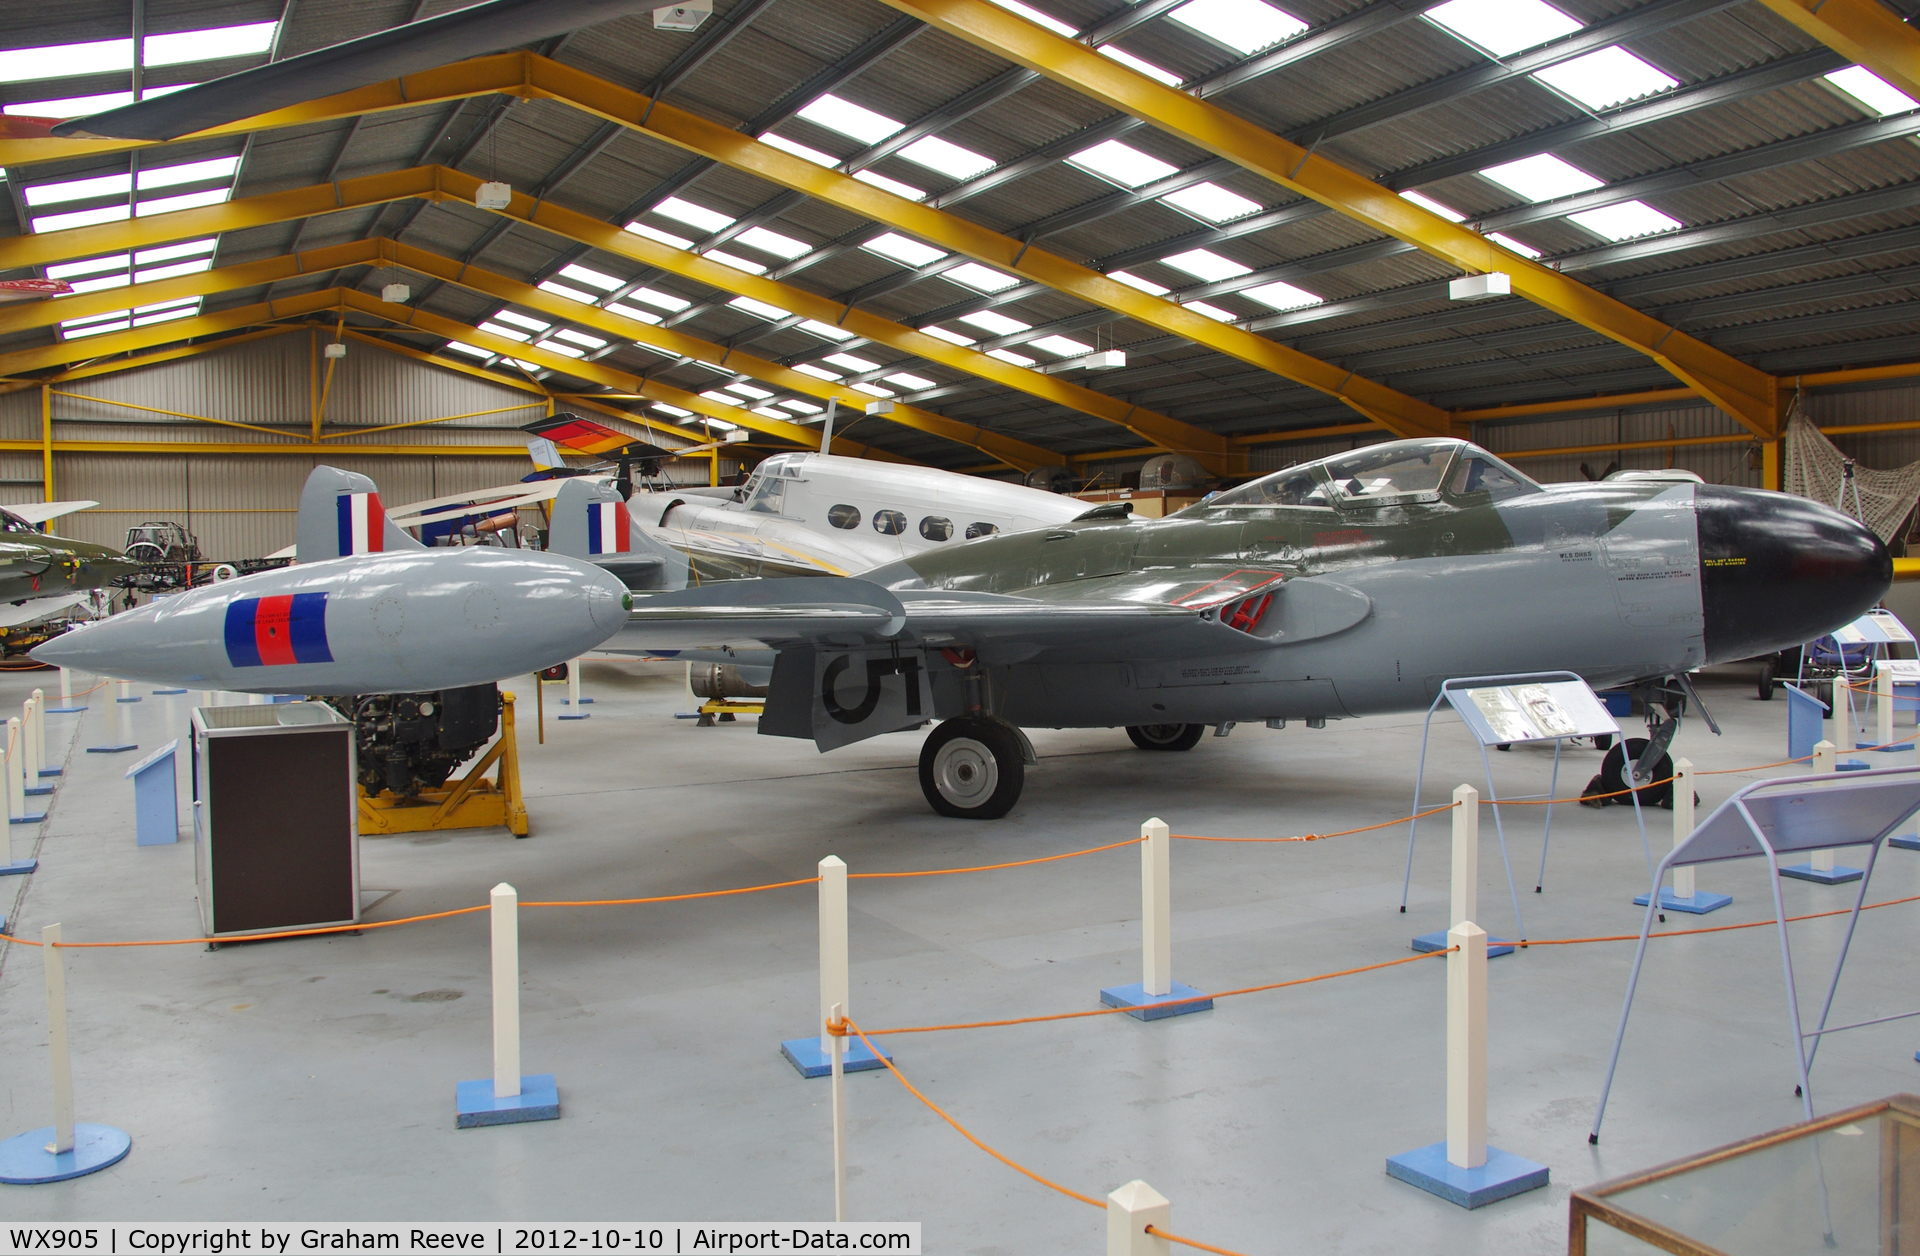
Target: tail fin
[
  {"x": 591, "y": 522},
  {"x": 340, "y": 515}
]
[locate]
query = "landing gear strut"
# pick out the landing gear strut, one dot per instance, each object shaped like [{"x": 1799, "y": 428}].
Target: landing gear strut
[{"x": 973, "y": 768}]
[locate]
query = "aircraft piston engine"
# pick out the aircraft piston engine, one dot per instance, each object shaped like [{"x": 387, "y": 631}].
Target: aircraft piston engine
[
  {"x": 722, "y": 680},
  {"x": 410, "y": 741}
]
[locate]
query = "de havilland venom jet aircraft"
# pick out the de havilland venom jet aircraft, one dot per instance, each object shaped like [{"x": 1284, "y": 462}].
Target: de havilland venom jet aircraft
[{"x": 1349, "y": 586}]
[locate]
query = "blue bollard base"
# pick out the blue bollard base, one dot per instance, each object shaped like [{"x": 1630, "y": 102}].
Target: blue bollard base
[
  {"x": 25, "y": 1160},
  {"x": 584, "y": 715},
  {"x": 474, "y": 1104},
  {"x": 168, "y": 693},
  {"x": 1877, "y": 748},
  {"x": 132, "y": 745},
  {"x": 65, "y": 710},
  {"x": 583, "y": 702},
  {"x": 805, "y": 1054},
  {"x": 1699, "y": 905},
  {"x": 1496, "y": 947},
  {"x": 1502, "y": 1176},
  {"x": 19, "y": 867},
  {"x": 1905, "y": 843},
  {"x": 1832, "y": 876},
  {"x": 34, "y": 790},
  {"x": 32, "y": 817},
  {"x": 126, "y": 699},
  {"x": 1140, "y": 1005},
  {"x": 53, "y": 771}
]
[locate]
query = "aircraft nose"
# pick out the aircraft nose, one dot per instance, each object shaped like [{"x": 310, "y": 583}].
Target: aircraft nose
[
  {"x": 105, "y": 647},
  {"x": 608, "y": 602},
  {"x": 1777, "y": 571}
]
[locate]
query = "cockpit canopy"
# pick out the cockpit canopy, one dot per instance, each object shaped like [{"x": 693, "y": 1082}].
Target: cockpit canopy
[
  {"x": 1395, "y": 473},
  {"x": 10, "y": 522}
]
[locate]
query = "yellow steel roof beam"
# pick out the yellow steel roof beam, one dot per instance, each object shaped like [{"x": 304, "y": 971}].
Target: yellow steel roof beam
[
  {"x": 1861, "y": 30},
  {"x": 42, "y": 357},
  {"x": 1407, "y": 415},
  {"x": 1746, "y": 393}
]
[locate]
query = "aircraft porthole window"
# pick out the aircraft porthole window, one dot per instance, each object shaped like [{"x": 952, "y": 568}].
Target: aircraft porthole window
[
  {"x": 977, "y": 530},
  {"x": 934, "y": 528},
  {"x": 889, "y": 522},
  {"x": 844, "y": 516}
]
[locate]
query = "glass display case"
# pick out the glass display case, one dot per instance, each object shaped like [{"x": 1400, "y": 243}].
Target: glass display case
[{"x": 1847, "y": 1184}]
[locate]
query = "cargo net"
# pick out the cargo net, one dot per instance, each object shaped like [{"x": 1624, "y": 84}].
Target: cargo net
[{"x": 1815, "y": 468}]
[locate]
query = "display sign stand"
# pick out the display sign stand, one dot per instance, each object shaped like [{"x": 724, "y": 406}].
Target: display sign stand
[
  {"x": 156, "y": 802},
  {"x": 1788, "y": 815},
  {"x": 1519, "y": 709}
]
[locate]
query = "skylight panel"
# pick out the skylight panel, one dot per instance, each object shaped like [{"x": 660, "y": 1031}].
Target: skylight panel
[
  {"x": 802, "y": 407},
  {"x": 725, "y": 399},
  {"x": 1211, "y": 203},
  {"x": 1625, "y": 221},
  {"x": 693, "y": 215},
  {"x": 114, "y": 316},
  {"x": 80, "y": 218},
  {"x": 949, "y": 159},
  {"x": 65, "y": 60},
  {"x": 826, "y": 331},
  {"x": 849, "y": 119},
  {"x": 769, "y": 412},
  {"x": 100, "y": 285},
  {"x": 1502, "y": 27},
  {"x": 591, "y": 278},
  {"x": 659, "y": 236},
  {"x": 1281, "y": 296},
  {"x": 632, "y": 311},
  {"x": 1061, "y": 345},
  {"x": 720, "y": 424},
  {"x": 1114, "y": 52},
  {"x": 188, "y": 172},
  {"x": 1147, "y": 286},
  {"x": 981, "y": 278},
  {"x": 1433, "y": 207},
  {"x": 66, "y": 270},
  {"x": 905, "y": 191},
  {"x": 1207, "y": 265},
  {"x": 761, "y": 308},
  {"x": 167, "y": 316},
  {"x": 799, "y": 150},
  {"x": 1008, "y": 355},
  {"x": 906, "y": 379},
  {"x": 570, "y": 293},
  {"x": 77, "y": 189},
  {"x": 665, "y": 300},
  {"x": 565, "y": 350},
  {"x": 1607, "y": 77},
  {"x": 748, "y": 390},
  {"x": 951, "y": 337},
  {"x": 521, "y": 320},
  {"x": 675, "y": 411},
  {"x": 773, "y": 242},
  {"x": 1213, "y": 312},
  {"x": 533, "y": 369},
  {"x": 81, "y": 106},
  {"x": 470, "y": 350},
  {"x": 167, "y": 252},
  {"x": 1873, "y": 93},
  {"x": 581, "y": 338},
  {"x": 1038, "y": 18},
  {"x": 903, "y": 249},
  {"x": 993, "y": 323},
  {"x": 818, "y": 372},
  {"x": 852, "y": 362},
  {"x": 1246, "y": 26},
  {"x": 1122, "y": 164},
  {"x": 191, "y": 200},
  {"x": 1512, "y": 245},
  {"x": 120, "y": 323},
  {"x": 194, "y": 267},
  {"x": 505, "y": 332},
  {"x": 875, "y": 390},
  {"x": 222, "y": 41},
  {"x": 1542, "y": 178},
  {"x": 736, "y": 261}
]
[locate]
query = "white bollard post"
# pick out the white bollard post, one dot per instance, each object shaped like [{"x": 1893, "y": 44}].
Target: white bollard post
[
  {"x": 1467, "y": 1046},
  {"x": 573, "y": 685},
  {"x": 1883, "y": 700},
  {"x": 1823, "y": 761},
  {"x": 207, "y": 697},
  {"x": 40, "y": 727},
  {"x": 1682, "y": 823},
  {"x": 16, "y": 783},
  {"x": 1156, "y": 908},
  {"x": 29, "y": 761},
  {"x": 834, "y": 1016},
  {"x": 66, "y": 687},
  {"x": 123, "y": 715},
  {"x": 833, "y": 947},
  {"x": 1466, "y": 855},
  {"x": 1130, "y": 1210},
  {"x": 57, "y": 1040},
  {"x": 506, "y": 991}
]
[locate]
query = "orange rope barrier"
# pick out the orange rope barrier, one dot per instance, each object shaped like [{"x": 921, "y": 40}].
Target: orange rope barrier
[
  {"x": 671, "y": 898},
  {"x": 255, "y": 937},
  {"x": 1018, "y": 863},
  {"x": 1320, "y": 837},
  {"x": 1681, "y": 933},
  {"x": 1171, "y": 1237}
]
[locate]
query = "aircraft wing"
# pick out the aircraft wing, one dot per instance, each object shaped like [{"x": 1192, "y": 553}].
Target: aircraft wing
[
  {"x": 500, "y": 497},
  {"x": 32, "y": 612},
  {"x": 41, "y": 512}
]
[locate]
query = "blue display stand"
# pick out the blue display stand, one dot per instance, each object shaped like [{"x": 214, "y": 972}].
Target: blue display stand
[
  {"x": 474, "y": 1104},
  {"x": 1180, "y": 1001},
  {"x": 1905, "y": 843},
  {"x": 156, "y": 805},
  {"x": 1837, "y": 875},
  {"x": 805, "y": 1054},
  {"x": 1437, "y": 941},
  {"x": 25, "y": 1160},
  {"x": 1502, "y": 1176},
  {"x": 1700, "y": 904},
  {"x": 16, "y": 868}
]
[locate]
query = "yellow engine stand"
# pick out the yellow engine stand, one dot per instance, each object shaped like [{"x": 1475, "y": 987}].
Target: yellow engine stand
[
  {"x": 472, "y": 802},
  {"x": 755, "y": 707}
]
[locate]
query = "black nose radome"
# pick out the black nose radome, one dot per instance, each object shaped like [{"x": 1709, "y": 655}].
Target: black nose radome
[{"x": 1777, "y": 571}]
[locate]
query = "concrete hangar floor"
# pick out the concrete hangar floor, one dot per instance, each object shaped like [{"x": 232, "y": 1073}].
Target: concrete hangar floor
[{"x": 313, "y": 1079}]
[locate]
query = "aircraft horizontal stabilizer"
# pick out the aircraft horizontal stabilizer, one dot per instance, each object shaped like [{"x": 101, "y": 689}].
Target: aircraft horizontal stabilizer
[{"x": 41, "y": 512}]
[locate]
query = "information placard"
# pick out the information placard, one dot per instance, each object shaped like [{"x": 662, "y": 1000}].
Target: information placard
[{"x": 1532, "y": 711}]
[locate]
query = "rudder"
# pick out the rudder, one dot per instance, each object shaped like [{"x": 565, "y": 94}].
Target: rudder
[
  {"x": 591, "y": 522},
  {"x": 341, "y": 515}
]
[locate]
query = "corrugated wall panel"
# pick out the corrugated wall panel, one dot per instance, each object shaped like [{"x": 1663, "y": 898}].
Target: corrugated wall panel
[{"x": 1716, "y": 464}]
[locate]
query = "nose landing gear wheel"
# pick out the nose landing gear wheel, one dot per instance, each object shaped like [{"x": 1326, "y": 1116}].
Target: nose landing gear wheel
[
  {"x": 1613, "y": 777},
  {"x": 971, "y": 769},
  {"x": 1166, "y": 736}
]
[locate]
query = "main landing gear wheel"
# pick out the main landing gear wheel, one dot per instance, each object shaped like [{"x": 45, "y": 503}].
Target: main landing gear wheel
[
  {"x": 1766, "y": 681},
  {"x": 1613, "y": 777},
  {"x": 1166, "y": 736},
  {"x": 971, "y": 768}
]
